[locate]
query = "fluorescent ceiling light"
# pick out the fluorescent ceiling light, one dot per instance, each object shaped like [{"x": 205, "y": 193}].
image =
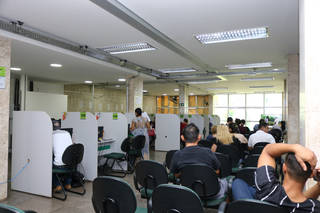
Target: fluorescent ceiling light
[
  {"x": 258, "y": 79},
  {"x": 122, "y": 79},
  {"x": 88, "y": 82},
  {"x": 218, "y": 88},
  {"x": 258, "y": 87},
  {"x": 176, "y": 90},
  {"x": 191, "y": 93},
  {"x": 144, "y": 91},
  {"x": 15, "y": 68},
  {"x": 55, "y": 65},
  {"x": 234, "y": 35},
  {"x": 117, "y": 86},
  {"x": 202, "y": 82},
  {"x": 248, "y": 66},
  {"x": 164, "y": 94},
  {"x": 177, "y": 70},
  {"x": 128, "y": 48},
  {"x": 276, "y": 69}
]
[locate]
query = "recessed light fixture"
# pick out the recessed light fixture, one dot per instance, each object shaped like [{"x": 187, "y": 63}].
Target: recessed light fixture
[
  {"x": 128, "y": 48},
  {"x": 15, "y": 69},
  {"x": 218, "y": 88},
  {"x": 260, "y": 87},
  {"x": 276, "y": 69},
  {"x": 202, "y": 82},
  {"x": 191, "y": 93},
  {"x": 144, "y": 91},
  {"x": 164, "y": 94},
  {"x": 258, "y": 79},
  {"x": 234, "y": 35},
  {"x": 122, "y": 79},
  {"x": 176, "y": 90},
  {"x": 88, "y": 82},
  {"x": 117, "y": 86},
  {"x": 177, "y": 70},
  {"x": 55, "y": 65},
  {"x": 248, "y": 66}
]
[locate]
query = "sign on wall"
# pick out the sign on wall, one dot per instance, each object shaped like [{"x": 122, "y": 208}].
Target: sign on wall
[{"x": 2, "y": 77}]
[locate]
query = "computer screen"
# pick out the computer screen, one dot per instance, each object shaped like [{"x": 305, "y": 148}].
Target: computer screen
[
  {"x": 100, "y": 132},
  {"x": 56, "y": 124},
  {"x": 70, "y": 130}
]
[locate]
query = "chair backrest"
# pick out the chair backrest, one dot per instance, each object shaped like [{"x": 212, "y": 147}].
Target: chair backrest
[
  {"x": 174, "y": 198},
  {"x": 201, "y": 179},
  {"x": 113, "y": 195},
  {"x": 126, "y": 145},
  {"x": 277, "y": 134},
  {"x": 232, "y": 151},
  {"x": 150, "y": 174},
  {"x": 251, "y": 160},
  {"x": 247, "y": 205},
  {"x": 9, "y": 209},
  {"x": 226, "y": 164},
  {"x": 169, "y": 156},
  {"x": 247, "y": 174},
  {"x": 73, "y": 155},
  {"x": 258, "y": 147},
  {"x": 139, "y": 142}
]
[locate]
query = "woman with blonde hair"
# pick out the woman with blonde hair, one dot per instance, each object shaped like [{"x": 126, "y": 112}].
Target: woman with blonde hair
[{"x": 223, "y": 135}]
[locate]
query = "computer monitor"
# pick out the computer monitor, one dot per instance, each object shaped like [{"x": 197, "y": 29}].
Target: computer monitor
[
  {"x": 100, "y": 132},
  {"x": 70, "y": 130},
  {"x": 56, "y": 124}
]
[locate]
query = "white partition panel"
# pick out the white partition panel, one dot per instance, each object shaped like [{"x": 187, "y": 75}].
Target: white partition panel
[
  {"x": 198, "y": 120},
  {"x": 214, "y": 119},
  {"x": 85, "y": 131},
  {"x": 130, "y": 116},
  {"x": 32, "y": 141},
  {"x": 168, "y": 132}
]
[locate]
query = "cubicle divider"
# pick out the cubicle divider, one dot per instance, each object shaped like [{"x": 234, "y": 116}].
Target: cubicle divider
[
  {"x": 168, "y": 132},
  {"x": 214, "y": 119},
  {"x": 198, "y": 120},
  {"x": 130, "y": 116},
  {"x": 85, "y": 131},
  {"x": 32, "y": 153}
]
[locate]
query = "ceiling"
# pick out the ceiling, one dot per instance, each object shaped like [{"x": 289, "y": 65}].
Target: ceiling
[{"x": 84, "y": 22}]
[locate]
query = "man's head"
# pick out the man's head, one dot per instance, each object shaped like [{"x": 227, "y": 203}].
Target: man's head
[
  {"x": 243, "y": 122},
  {"x": 190, "y": 134},
  {"x": 185, "y": 120},
  {"x": 293, "y": 170},
  {"x": 263, "y": 125},
  {"x": 229, "y": 120},
  {"x": 138, "y": 112},
  {"x": 233, "y": 128}
]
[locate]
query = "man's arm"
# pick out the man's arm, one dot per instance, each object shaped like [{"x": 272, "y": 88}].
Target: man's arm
[
  {"x": 313, "y": 192},
  {"x": 272, "y": 151}
]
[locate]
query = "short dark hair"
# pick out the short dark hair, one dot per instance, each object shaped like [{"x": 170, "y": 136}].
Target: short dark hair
[
  {"x": 243, "y": 121},
  {"x": 229, "y": 119},
  {"x": 237, "y": 121},
  {"x": 185, "y": 120},
  {"x": 138, "y": 111},
  {"x": 233, "y": 127},
  {"x": 295, "y": 170},
  {"x": 190, "y": 133},
  {"x": 262, "y": 123}
]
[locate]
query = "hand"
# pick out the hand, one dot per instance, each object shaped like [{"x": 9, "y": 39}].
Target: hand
[{"x": 305, "y": 155}]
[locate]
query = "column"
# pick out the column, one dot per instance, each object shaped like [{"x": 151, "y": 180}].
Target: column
[
  {"x": 309, "y": 75},
  {"x": 183, "y": 99},
  {"x": 5, "y": 54},
  {"x": 292, "y": 88},
  {"x": 210, "y": 104},
  {"x": 23, "y": 90},
  {"x": 134, "y": 94}
]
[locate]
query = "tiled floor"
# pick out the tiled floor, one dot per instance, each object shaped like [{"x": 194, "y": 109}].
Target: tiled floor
[{"x": 74, "y": 203}]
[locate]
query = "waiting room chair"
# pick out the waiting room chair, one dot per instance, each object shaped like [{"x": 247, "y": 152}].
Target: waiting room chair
[
  {"x": 4, "y": 208},
  {"x": 248, "y": 205},
  {"x": 247, "y": 174},
  {"x": 174, "y": 199},
  {"x": 204, "y": 181},
  {"x": 71, "y": 157},
  {"x": 148, "y": 175},
  {"x": 251, "y": 160},
  {"x": 167, "y": 164},
  {"x": 258, "y": 147},
  {"x": 233, "y": 152},
  {"x": 114, "y": 195},
  {"x": 226, "y": 165},
  {"x": 277, "y": 134}
]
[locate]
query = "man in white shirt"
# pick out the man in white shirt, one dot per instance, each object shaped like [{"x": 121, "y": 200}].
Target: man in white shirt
[
  {"x": 261, "y": 135},
  {"x": 145, "y": 115}
]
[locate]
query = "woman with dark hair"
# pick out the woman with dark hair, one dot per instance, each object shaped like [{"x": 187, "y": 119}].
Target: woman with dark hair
[{"x": 140, "y": 126}]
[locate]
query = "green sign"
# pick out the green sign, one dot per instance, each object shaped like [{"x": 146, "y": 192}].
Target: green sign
[
  {"x": 190, "y": 116},
  {"x": 2, "y": 72},
  {"x": 181, "y": 116},
  {"x": 83, "y": 115},
  {"x": 115, "y": 116}
]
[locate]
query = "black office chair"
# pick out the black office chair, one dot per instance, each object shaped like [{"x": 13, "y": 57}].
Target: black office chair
[
  {"x": 248, "y": 205},
  {"x": 167, "y": 164},
  {"x": 204, "y": 181},
  {"x": 258, "y": 148},
  {"x": 114, "y": 195},
  {"x": 233, "y": 152},
  {"x": 4, "y": 208},
  {"x": 175, "y": 199},
  {"x": 71, "y": 157},
  {"x": 226, "y": 165},
  {"x": 148, "y": 175},
  {"x": 251, "y": 160},
  {"x": 277, "y": 134},
  {"x": 247, "y": 174}
]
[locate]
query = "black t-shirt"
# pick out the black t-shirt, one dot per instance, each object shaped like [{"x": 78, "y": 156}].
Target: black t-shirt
[
  {"x": 269, "y": 189},
  {"x": 194, "y": 155}
]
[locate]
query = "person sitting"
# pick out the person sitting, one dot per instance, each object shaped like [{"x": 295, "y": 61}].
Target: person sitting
[
  {"x": 229, "y": 120},
  {"x": 243, "y": 129},
  {"x": 194, "y": 154},
  {"x": 234, "y": 130},
  {"x": 256, "y": 127},
  {"x": 237, "y": 121},
  {"x": 261, "y": 135},
  {"x": 298, "y": 167},
  {"x": 61, "y": 140}
]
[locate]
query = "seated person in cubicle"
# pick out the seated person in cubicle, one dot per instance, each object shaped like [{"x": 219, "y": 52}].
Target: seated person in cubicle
[
  {"x": 61, "y": 140},
  {"x": 194, "y": 154}
]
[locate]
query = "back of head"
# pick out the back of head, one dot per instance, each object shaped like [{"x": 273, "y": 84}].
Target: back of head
[
  {"x": 190, "y": 133},
  {"x": 237, "y": 121},
  {"x": 229, "y": 120},
  {"x": 185, "y": 120},
  {"x": 243, "y": 122},
  {"x": 223, "y": 134},
  {"x": 138, "y": 111},
  {"x": 294, "y": 169},
  {"x": 214, "y": 130},
  {"x": 262, "y": 123},
  {"x": 233, "y": 128}
]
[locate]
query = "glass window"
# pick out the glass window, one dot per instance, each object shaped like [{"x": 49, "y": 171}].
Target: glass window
[
  {"x": 254, "y": 114},
  {"x": 250, "y": 125},
  {"x": 222, "y": 113},
  {"x": 274, "y": 112},
  {"x": 237, "y": 100},
  {"x": 273, "y": 100},
  {"x": 237, "y": 113},
  {"x": 254, "y": 100},
  {"x": 220, "y": 100}
]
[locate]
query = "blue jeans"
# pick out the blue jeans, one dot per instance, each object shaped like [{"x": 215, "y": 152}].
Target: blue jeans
[
  {"x": 65, "y": 179},
  {"x": 241, "y": 190}
]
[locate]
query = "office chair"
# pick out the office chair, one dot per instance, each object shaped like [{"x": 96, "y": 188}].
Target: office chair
[
  {"x": 114, "y": 195},
  {"x": 174, "y": 199},
  {"x": 233, "y": 152},
  {"x": 148, "y": 175},
  {"x": 71, "y": 157},
  {"x": 251, "y": 160},
  {"x": 226, "y": 165},
  {"x": 11, "y": 209},
  {"x": 247, "y": 174},
  {"x": 258, "y": 147},
  {"x": 167, "y": 164}
]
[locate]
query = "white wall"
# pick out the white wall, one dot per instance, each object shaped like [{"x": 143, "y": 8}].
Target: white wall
[{"x": 46, "y": 87}]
